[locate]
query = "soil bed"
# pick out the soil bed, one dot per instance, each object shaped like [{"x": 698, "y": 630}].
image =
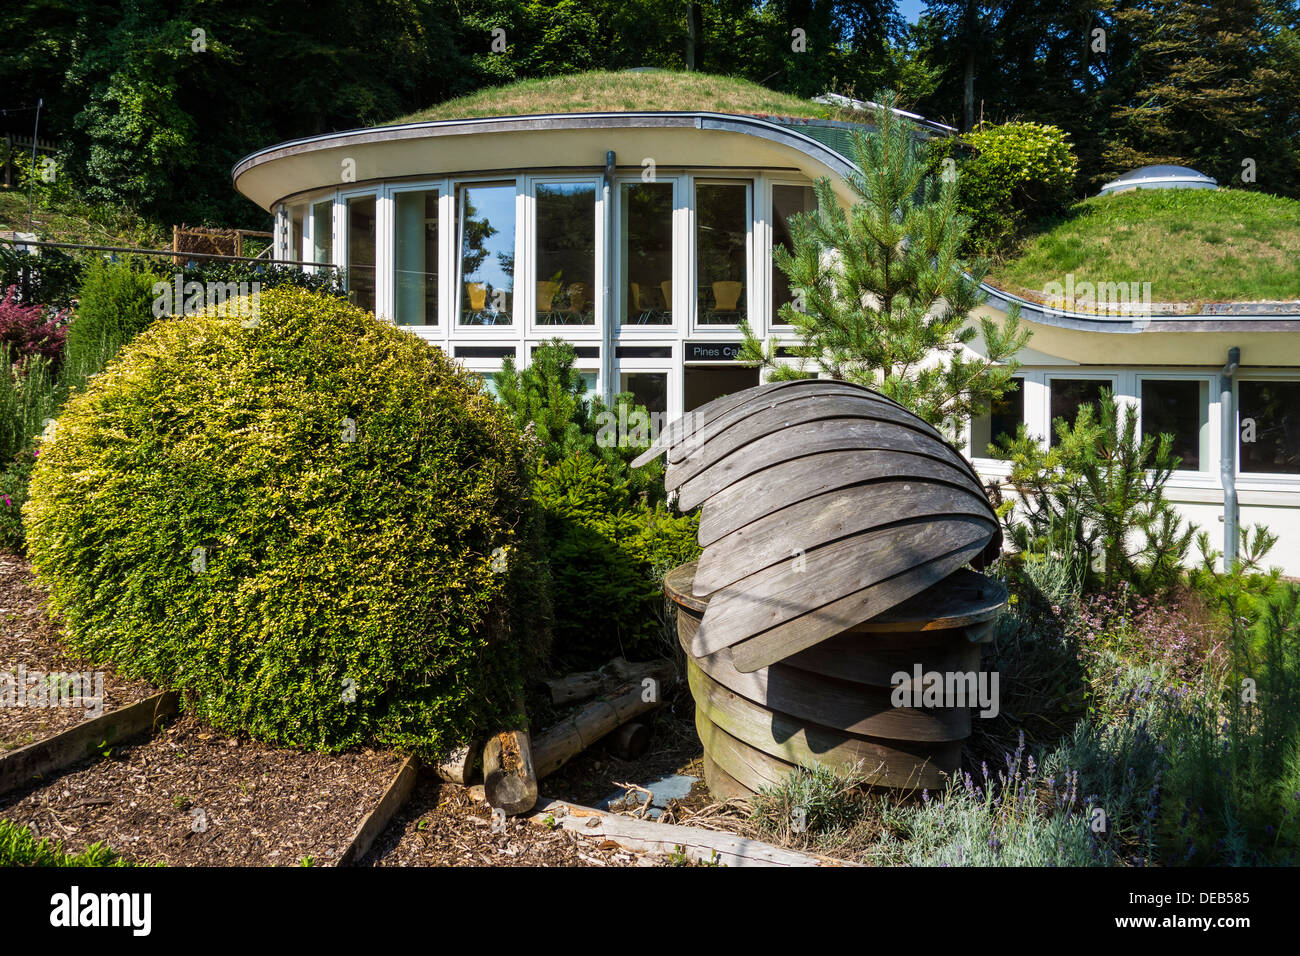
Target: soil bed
[
  {"x": 192, "y": 797},
  {"x": 30, "y": 640}
]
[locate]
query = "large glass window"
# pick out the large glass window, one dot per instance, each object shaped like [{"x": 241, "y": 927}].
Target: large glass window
[
  {"x": 566, "y": 254},
  {"x": 361, "y": 252},
  {"x": 297, "y": 220},
  {"x": 646, "y": 253},
  {"x": 1002, "y": 419},
  {"x": 1269, "y": 427},
  {"x": 1071, "y": 394},
  {"x": 486, "y": 214},
  {"x": 415, "y": 265},
  {"x": 648, "y": 388},
  {"x": 1180, "y": 409},
  {"x": 721, "y": 227},
  {"x": 322, "y": 231},
  {"x": 787, "y": 201}
]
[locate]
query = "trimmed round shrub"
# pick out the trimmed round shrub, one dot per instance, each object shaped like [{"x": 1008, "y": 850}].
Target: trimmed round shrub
[{"x": 314, "y": 524}]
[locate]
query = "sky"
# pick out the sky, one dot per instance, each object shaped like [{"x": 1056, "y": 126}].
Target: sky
[{"x": 910, "y": 9}]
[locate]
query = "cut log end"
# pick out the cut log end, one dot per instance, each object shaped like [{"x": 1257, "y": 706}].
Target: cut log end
[{"x": 509, "y": 781}]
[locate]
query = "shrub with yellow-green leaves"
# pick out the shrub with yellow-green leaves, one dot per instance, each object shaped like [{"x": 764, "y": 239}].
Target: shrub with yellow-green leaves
[{"x": 314, "y": 524}]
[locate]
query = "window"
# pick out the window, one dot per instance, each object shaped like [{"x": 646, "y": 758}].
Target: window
[
  {"x": 786, "y": 202},
  {"x": 722, "y": 272},
  {"x": 1003, "y": 418},
  {"x": 1180, "y": 409},
  {"x": 646, "y": 253},
  {"x": 486, "y": 214},
  {"x": 322, "y": 231},
  {"x": 297, "y": 219},
  {"x": 566, "y": 254},
  {"x": 1269, "y": 427},
  {"x": 649, "y": 389},
  {"x": 1070, "y": 394},
  {"x": 361, "y": 252},
  {"x": 415, "y": 265}
]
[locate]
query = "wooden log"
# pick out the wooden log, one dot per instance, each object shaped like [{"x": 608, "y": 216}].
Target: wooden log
[
  {"x": 584, "y": 684},
  {"x": 374, "y": 822},
  {"x": 509, "y": 781},
  {"x": 557, "y": 745},
  {"x": 647, "y": 836},
  {"x": 631, "y": 740},
  {"x": 461, "y": 764},
  {"x": 22, "y": 766}
]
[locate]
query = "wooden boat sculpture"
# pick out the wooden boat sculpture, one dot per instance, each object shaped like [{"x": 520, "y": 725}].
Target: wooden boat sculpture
[{"x": 825, "y": 504}]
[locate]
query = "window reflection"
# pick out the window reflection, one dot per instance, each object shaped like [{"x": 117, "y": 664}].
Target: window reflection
[
  {"x": 361, "y": 252},
  {"x": 416, "y": 257},
  {"x": 487, "y": 253},
  {"x": 646, "y": 253},
  {"x": 566, "y": 254},
  {"x": 721, "y": 228},
  {"x": 787, "y": 201}
]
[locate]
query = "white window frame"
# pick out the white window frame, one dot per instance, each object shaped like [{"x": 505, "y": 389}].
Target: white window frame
[
  {"x": 696, "y": 327},
  {"x": 575, "y": 332},
  {"x": 775, "y": 326},
  {"x": 434, "y": 333},
  {"x": 632, "y": 331},
  {"x": 1259, "y": 480},
  {"x": 516, "y": 328},
  {"x": 1181, "y": 476}
]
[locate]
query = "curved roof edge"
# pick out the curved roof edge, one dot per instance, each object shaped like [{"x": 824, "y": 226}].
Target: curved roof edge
[
  {"x": 725, "y": 122},
  {"x": 1222, "y": 317}
]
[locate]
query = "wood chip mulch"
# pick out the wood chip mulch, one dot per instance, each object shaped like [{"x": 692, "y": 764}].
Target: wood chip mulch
[
  {"x": 30, "y": 639},
  {"x": 190, "y": 796},
  {"x": 442, "y": 825}
]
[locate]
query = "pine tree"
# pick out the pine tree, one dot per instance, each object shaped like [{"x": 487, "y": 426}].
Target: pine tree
[{"x": 882, "y": 295}]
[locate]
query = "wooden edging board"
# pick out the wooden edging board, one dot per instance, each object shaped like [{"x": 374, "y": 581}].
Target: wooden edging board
[
  {"x": 22, "y": 766},
  {"x": 374, "y": 822},
  {"x": 647, "y": 836}
]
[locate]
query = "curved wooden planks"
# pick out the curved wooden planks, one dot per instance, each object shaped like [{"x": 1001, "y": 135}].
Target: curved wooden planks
[
  {"x": 793, "y": 636},
  {"x": 799, "y": 479},
  {"x": 803, "y": 527},
  {"x": 888, "y": 763},
  {"x": 838, "y": 704},
  {"x": 803, "y": 584},
  {"x": 833, "y": 434},
  {"x": 777, "y": 418}
]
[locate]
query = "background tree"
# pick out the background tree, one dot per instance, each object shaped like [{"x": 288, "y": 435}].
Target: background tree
[{"x": 886, "y": 295}]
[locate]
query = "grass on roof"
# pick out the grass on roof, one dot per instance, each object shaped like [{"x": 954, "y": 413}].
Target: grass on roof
[
  {"x": 623, "y": 92},
  {"x": 1192, "y": 245}
]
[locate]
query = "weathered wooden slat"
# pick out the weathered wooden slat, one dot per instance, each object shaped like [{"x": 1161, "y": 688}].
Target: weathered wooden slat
[
  {"x": 833, "y": 434},
  {"x": 752, "y": 768},
  {"x": 374, "y": 822},
  {"x": 860, "y": 658},
  {"x": 854, "y": 708},
  {"x": 722, "y": 785},
  {"x": 811, "y": 476},
  {"x": 782, "y": 419},
  {"x": 808, "y": 583},
  {"x": 885, "y": 763},
  {"x": 680, "y": 429},
  {"x": 808, "y": 525},
  {"x": 965, "y": 599},
  {"x": 796, "y": 635},
  {"x": 816, "y": 391}
]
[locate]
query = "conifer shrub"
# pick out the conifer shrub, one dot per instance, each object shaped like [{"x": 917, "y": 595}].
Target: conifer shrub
[{"x": 312, "y": 523}]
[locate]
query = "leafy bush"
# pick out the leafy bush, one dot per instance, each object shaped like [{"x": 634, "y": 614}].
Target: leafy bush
[
  {"x": 1012, "y": 173},
  {"x": 115, "y": 304},
  {"x": 18, "y": 847},
  {"x": 326, "y": 281},
  {"x": 1098, "y": 495},
  {"x": 608, "y": 554},
  {"x": 31, "y": 329},
  {"x": 13, "y": 495},
  {"x": 550, "y": 399},
  {"x": 51, "y": 278},
  {"x": 29, "y": 396},
  {"x": 317, "y": 527}
]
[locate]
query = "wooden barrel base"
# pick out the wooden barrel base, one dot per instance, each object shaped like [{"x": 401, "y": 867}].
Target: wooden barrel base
[{"x": 831, "y": 705}]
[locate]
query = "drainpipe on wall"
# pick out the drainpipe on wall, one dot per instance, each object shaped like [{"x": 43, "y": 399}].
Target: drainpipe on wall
[
  {"x": 607, "y": 283},
  {"x": 1228, "y": 457}
]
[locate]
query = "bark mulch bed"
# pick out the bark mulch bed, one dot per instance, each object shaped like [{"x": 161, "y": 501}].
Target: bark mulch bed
[
  {"x": 29, "y": 639},
  {"x": 190, "y": 796},
  {"x": 443, "y": 825}
]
